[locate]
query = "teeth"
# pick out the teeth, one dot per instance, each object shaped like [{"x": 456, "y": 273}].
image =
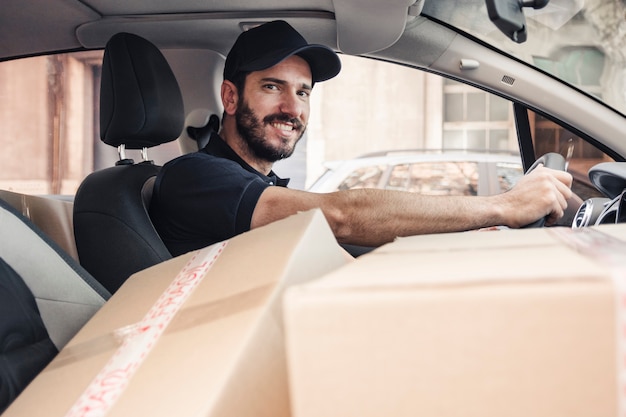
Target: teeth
[{"x": 282, "y": 126}]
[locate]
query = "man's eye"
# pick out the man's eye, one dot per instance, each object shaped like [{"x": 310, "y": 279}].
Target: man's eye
[
  {"x": 304, "y": 93},
  {"x": 271, "y": 86}
]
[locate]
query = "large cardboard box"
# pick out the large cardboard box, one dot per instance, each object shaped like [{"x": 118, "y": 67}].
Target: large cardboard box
[
  {"x": 220, "y": 354},
  {"x": 499, "y": 323}
]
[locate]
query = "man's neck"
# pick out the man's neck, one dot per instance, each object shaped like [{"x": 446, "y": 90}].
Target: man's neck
[{"x": 241, "y": 148}]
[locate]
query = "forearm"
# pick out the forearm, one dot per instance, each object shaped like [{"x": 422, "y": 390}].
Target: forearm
[{"x": 373, "y": 217}]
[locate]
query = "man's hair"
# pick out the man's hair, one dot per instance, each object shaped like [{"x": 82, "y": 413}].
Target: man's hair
[{"x": 240, "y": 81}]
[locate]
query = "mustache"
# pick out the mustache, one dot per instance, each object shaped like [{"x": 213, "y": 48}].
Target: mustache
[{"x": 283, "y": 118}]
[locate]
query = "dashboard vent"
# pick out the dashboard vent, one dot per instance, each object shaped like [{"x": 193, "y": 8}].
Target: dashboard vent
[
  {"x": 594, "y": 210},
  {"x": 582, "y": 218}
]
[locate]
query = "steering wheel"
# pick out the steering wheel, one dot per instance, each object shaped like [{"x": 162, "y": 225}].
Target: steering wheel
[{"x": 551, "y": 160}]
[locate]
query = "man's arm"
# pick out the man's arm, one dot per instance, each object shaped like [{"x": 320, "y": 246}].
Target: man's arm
[{"x": 371, "y": 217}]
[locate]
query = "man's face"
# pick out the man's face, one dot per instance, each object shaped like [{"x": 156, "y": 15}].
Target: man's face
[{"x": 273, "y": 110}]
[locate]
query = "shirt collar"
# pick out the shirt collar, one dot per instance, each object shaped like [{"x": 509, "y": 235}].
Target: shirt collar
[{"x": 217, "y": 147}]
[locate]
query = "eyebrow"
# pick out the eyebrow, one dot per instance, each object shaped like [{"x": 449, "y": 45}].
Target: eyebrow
[{"x": 304, "y": 86}]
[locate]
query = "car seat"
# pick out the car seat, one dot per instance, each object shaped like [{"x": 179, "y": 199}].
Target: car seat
[
  {"x": 140, "y": 107},
  {"x": 45, "y": 298}
]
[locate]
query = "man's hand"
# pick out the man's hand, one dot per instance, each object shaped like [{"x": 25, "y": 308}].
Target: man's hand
[{"x": 542, "y": 192}]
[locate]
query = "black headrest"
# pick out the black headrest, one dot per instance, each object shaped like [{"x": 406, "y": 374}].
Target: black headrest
[{"x": 140, "y": 101}]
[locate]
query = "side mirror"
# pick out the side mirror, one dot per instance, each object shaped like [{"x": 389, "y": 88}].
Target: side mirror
[{"x": 508, "y": 16}]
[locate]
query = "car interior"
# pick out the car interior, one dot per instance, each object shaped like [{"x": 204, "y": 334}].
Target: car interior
[
  {"x": 46, "y": 297},
  {"x": 141, "y": 107},
  {"x": 47, "y": 293},
  {"x": 160, "y": 85}
]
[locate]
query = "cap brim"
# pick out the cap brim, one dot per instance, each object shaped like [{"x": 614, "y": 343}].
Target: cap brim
[{"x": 323, "y": 61}]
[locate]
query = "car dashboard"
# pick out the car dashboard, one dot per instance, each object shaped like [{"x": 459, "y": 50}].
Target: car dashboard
[{"x": 610, "y": 179}]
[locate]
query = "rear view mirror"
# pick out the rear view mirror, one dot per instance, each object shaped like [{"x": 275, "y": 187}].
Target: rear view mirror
[{"x": 508, "y": 16}]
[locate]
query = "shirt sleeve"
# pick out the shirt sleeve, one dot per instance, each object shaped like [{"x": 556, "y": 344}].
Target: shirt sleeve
[{"x": 203, "y": 199}]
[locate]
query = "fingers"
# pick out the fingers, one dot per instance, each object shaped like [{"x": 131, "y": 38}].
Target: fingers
[
  {"x": 562, "y": 189},
  {"x": 563, "y": 177},
  {"x": 559, "y": 192},
  {"x": 543, "y": 192},
  {"x": 563, "y": 182}
]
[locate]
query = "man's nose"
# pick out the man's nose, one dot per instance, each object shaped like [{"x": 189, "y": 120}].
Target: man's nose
[{"x": 292, "y": 104}]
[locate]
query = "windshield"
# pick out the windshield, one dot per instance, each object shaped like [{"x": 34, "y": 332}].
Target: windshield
[{"x": 581, "y": 42}]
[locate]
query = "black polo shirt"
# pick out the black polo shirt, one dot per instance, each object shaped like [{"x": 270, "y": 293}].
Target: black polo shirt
[{"x": 206, "y": 197}]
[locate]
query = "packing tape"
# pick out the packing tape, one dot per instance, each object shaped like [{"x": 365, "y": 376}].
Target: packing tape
[
  {"x": 138, "y": 340},
  {"x": 187, "y": 318},
  {"x": 611, "y": 252}
]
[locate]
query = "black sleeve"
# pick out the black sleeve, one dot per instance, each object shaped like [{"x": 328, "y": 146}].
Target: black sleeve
[{"x": 203, "y": 199}]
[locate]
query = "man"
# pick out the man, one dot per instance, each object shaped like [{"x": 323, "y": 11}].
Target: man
[{"x": 229, "y": 187}]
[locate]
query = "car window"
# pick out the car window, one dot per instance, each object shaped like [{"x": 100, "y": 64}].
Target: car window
[
  {"x": 549, "y": 136},
  {"x": 49, "y": 112},
  {"x": 474, "y": 119},
  {"x": 508, "y": 174},
  {"x": 364, "y": 177},
  {"x": 374, "y": 107},
  {"x": 380, "y": 108},
  {"x": 436, "y": 178},
  {"x": 51, "y": 104}
]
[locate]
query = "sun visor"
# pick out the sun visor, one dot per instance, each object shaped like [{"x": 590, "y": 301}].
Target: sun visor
[
  {"x": 362, "y": 26},
  {"x": 371, "y": 25}
]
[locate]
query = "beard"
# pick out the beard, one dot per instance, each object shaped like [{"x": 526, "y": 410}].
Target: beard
[{"x": 252, "y": 131}]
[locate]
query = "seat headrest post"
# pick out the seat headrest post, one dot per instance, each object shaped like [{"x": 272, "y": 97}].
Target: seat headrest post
[{"x": 121, "y": 151}]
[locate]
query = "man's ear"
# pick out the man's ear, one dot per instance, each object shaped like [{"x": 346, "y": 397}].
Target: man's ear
[{"x": 229, "y": 97}]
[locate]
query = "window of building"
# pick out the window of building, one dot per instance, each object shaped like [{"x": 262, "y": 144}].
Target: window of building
[{"x": 476, "y": 120}]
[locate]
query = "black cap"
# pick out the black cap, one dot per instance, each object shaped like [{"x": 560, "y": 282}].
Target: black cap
[{"x": 266, "y": 45}]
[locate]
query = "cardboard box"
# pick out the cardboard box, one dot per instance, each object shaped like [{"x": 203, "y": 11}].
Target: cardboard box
[
  {"x": 52, "y": 215},
  {"x": 499, "y": 323},
  {"x": 222, "y": 354}
]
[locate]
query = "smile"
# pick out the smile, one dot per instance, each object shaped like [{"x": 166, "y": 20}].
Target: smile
[{"x": 284, "y": 126}]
